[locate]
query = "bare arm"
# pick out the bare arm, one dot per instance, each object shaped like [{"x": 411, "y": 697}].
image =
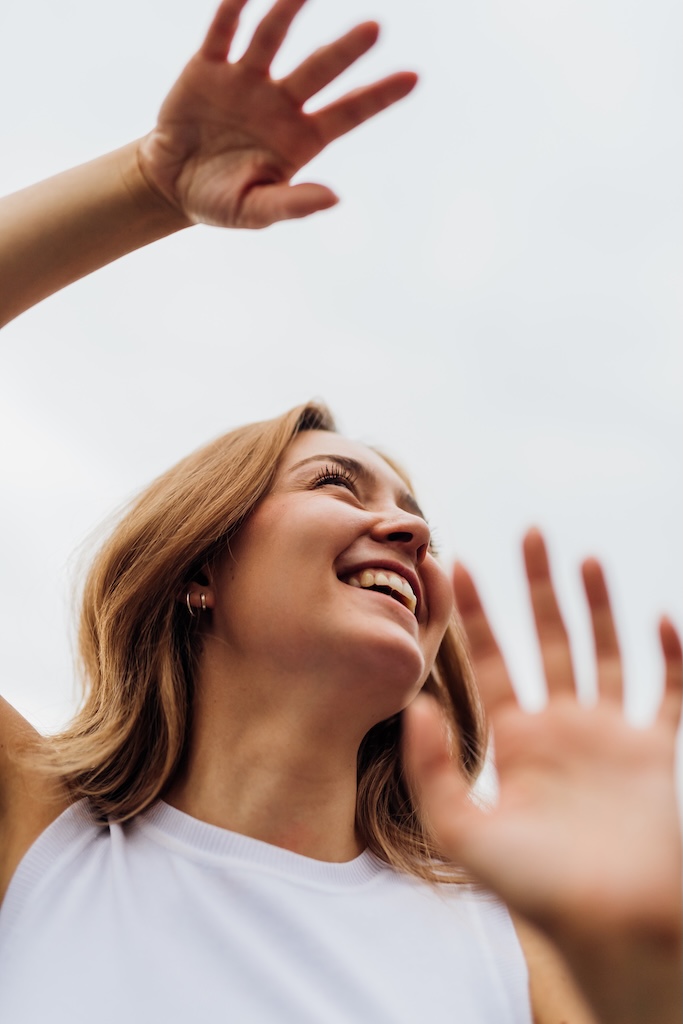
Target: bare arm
[
  {"x": 585, "y": 840},
  {"x": 28, "y": 801},
  {"x": 555, "y": 997},
  {"x": 228, "y": 140},
  {"x": 64, "y": 228},
  {"x": 227, "y": 143}
]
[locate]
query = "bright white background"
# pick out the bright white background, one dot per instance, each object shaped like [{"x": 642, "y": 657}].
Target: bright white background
[{"x": 495, "y": 302}]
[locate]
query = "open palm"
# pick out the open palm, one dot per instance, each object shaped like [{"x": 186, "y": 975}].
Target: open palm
[
  {"x": 229, "y": 138},
  {"x": 584, "y": 837}
]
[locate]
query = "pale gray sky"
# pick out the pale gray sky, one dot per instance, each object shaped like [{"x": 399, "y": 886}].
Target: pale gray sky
[{"x": 496, "y": 302}]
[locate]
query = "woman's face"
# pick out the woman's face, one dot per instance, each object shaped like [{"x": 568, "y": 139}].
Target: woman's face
[{"x": 331, "y": 579}]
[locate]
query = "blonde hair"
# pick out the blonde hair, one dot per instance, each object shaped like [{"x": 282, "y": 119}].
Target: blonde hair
[{"x": 138, "y": 650}]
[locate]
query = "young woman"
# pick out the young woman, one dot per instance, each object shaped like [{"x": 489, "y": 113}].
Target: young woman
[{"x": 257, "y": 815}]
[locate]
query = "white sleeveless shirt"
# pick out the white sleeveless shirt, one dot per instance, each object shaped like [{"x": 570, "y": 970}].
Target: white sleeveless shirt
[{"x": 167, "y": 919}]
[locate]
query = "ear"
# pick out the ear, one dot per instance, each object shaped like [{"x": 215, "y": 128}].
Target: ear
[{"x": 200, "y": 593}]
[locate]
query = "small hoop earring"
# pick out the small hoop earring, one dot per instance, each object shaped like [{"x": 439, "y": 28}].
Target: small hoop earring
[
  {"x": 189, "y": 606},
  {"x": 202, "y": 599}
]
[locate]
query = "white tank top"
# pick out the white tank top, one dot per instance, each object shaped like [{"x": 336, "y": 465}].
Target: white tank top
[{"x": 167, "y": 919}]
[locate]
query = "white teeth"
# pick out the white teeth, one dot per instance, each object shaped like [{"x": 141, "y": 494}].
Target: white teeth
[{"x": 385, "y": 578}]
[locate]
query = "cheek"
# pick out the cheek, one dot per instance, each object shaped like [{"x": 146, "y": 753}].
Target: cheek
[
  {"x": 440, "y": 594},
  {"x": 441, "y": 604},
  {"x": 276, "y": 562}
]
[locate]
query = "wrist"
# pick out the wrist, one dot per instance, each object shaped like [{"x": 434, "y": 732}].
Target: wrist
[
  {"x": 630, "y": 979},
  {"x": 147, "y": 197}
]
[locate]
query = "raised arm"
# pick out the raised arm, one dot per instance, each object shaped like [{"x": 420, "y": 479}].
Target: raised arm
[
  {"x": 584, "y": 841},
  {"x": 228, "y": 140}
]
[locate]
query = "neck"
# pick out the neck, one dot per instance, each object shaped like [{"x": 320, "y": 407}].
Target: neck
[{"x": 279, "y": 770}]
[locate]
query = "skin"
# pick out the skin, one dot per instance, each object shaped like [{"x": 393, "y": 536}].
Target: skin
[
  {"x": 297, "y": 665},
  {"x": 227, "y": 142},
  {"x": 585, "y": 840}
]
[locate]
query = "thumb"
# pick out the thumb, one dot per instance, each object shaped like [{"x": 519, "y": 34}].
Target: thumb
[
  {"x": 437, "y": 783},
  {"x": 267, "y": 204}
]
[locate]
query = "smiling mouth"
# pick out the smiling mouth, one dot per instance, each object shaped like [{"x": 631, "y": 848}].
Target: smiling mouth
[{"x": 383, "y": 581}]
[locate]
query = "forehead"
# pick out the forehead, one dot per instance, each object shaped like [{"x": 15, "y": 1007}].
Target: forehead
[{"x": 322, "y": 444}]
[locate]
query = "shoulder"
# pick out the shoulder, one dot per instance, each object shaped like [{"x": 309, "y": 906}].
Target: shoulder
[
  {"x": 555, "y": 997},
  {"x": 29, "y": 800}
]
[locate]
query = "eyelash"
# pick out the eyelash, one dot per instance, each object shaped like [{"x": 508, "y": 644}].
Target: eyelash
[
  {"x": 344, "y": 478},
  {"x": 335, "y": 475}
]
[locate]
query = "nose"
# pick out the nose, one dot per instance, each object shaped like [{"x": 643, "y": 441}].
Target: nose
[{"x": 405, "y": 530}]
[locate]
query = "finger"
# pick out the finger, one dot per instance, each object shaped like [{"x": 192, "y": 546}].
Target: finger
[
  {"x": 267, "y": 204},
  {"x": 351, "y": 110},
  {"x": 438, "y": 787},
  {"x": 672, "y": 701},
  {"x": 607, "y": 654},
  {"x": 222, "y": 30},
  {"x": 270, "y": 34},
  {"x": 327, "y": 63},
  {"x": 492, "y": 675},
  {"x": 552, "y": 635}
]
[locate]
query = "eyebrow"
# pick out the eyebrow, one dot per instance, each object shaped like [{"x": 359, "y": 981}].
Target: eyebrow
[{"x": 406, "y": 499}]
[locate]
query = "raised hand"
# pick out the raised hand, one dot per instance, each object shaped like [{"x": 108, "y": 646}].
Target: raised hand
[
  {"x": 584, "y": 839},
  {"x": 229, "y": 138}
]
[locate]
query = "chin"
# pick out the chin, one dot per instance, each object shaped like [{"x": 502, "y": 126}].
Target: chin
[{"x": 390, "y": 666}]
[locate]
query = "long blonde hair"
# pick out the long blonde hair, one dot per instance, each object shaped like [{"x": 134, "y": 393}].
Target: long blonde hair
[{"x": 138, "y": 649}]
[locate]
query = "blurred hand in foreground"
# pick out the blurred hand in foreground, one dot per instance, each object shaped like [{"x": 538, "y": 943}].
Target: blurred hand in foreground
[{"x": 584, "y": 839}]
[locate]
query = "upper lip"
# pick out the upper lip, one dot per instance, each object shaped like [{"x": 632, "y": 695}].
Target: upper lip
[{"x": 402, "y": 570}]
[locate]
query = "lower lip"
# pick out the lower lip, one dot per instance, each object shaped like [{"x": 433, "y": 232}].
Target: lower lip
[{"x": 386, "y": 597}]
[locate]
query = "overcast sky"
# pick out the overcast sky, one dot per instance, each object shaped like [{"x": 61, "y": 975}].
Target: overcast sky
[{"x": 496, "y": 302}]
